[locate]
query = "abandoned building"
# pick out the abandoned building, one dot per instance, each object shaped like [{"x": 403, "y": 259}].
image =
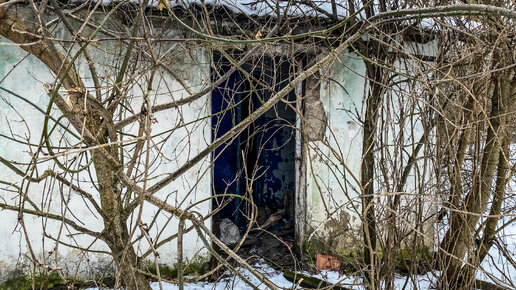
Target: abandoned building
[{"x": 296, "y": 168}]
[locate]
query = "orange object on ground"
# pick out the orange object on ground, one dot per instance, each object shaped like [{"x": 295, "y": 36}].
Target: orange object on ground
[{"x": 327, "y": 262}]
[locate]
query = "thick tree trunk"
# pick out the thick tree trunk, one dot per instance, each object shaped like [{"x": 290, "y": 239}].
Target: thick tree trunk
[
  {"x": 460, "y": 236},
  {"x": 367, "y": 172},
  {"x": 486, "y": 242},
  {"x": 115, "y": 233},
  {"x": 127, "y": 263},
  {"x": 367, "y": 175}
]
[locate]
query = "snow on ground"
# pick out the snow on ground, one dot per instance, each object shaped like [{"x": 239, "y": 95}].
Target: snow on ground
[
  {"x": 334, "y": 277},
  {"x": 276, "y": 277},
  {"x": 496, "y": 266},
  {"x": 235, "y": 282},
  {"x": 421, "y": 282},
  {"x": 496, "y": 269},
  {"x": 232, "y": 281}
]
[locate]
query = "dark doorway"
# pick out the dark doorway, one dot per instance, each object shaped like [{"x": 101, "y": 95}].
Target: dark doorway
[{"x": 260, "y": 159}]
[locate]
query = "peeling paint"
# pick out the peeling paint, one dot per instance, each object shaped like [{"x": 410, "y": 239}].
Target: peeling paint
[
  {"x": 315, "y": 115},
  {"x": 26, "y": 80}
]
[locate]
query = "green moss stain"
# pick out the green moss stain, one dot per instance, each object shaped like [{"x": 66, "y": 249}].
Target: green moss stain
[
  {"x": 164, "y": 270},
  {"x": 196, "y": 267},
  {"x": 418, "y": 259},
  {"x": 40, "y": 281},
  {"x": 52, "y": 280}
]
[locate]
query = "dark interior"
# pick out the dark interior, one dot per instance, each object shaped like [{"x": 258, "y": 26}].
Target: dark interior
[{"x": 261, "y": 158}]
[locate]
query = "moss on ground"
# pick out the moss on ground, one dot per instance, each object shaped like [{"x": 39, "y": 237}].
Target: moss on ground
[
  {"x": 419, "y": 259},
  {"x": 39, "y": 281},
  {"x": 52, "y": 280},
  {"x": 196, "y": 267}
]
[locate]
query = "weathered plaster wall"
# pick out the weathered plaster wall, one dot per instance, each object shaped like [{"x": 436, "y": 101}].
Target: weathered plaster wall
[
  {"x": 333, "y": 159},
  {"x": 25, "y": 75},
  {"x": 406, "y": 111},
  {"x": 333, "y": 162}
]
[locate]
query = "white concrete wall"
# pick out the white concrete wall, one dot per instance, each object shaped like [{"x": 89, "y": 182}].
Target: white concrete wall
[
  {"x": 23, "y": 122},
  {"x": 333, "y": 164},
  {"x": 404, "y": 116}
]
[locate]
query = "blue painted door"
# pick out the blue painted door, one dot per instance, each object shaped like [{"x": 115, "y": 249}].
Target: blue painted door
[{"x": 268, "y": 145}]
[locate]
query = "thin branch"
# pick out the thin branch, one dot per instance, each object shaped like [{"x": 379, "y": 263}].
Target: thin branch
[{"x": 52, "y": 216}]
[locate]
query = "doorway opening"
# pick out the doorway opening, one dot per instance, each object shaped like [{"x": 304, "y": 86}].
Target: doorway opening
[{"x": 255, "y": 171}]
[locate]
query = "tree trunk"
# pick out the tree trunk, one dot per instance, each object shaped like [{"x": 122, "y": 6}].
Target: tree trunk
[
  {"x": 484, "y": 244},
  {"x": 115, "y": 233},
  {"x": 460, "y": 236},
  {"x": 127, "y": 264},
  {"x": 468, "y": 271},
  {"x": 367, "y": 174}
]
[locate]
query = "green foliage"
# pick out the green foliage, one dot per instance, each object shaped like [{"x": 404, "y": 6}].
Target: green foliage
[{"x": 39, "y": 281}]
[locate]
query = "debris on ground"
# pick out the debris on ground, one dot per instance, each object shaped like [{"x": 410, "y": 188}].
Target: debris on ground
[{"x": 229, "y": 232}]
